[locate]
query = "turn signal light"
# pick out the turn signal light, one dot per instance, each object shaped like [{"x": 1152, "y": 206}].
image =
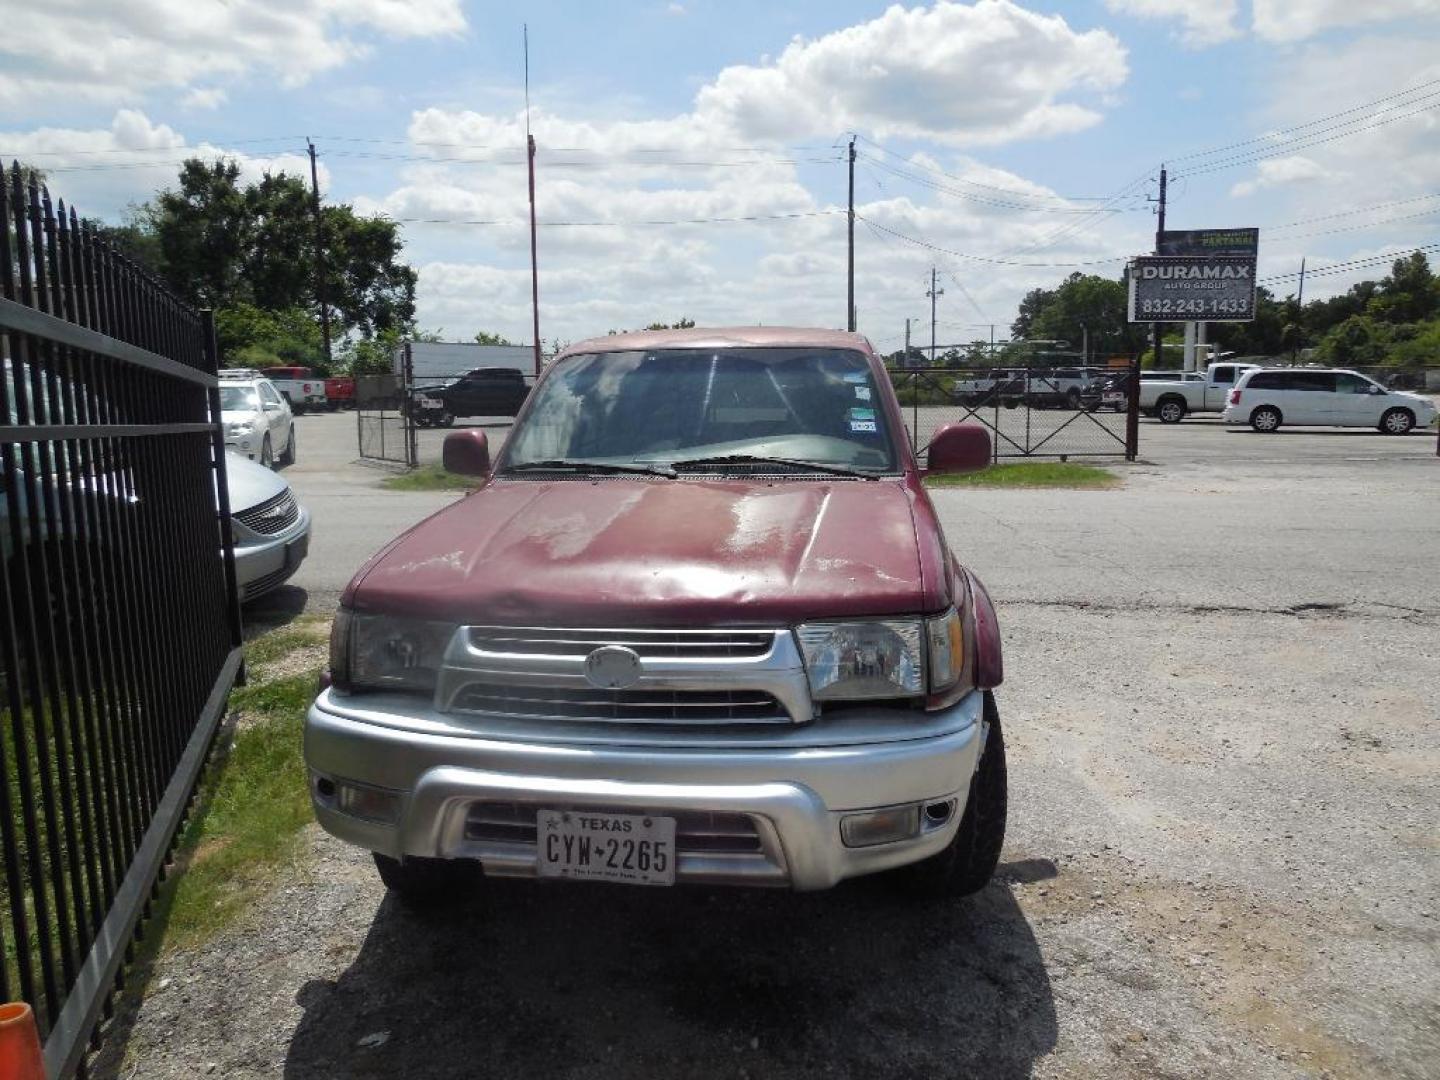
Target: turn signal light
[{"x": 1234, "y": 397}]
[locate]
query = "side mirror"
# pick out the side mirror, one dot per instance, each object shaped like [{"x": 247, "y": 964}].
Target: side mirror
[
  {"x": 467, "y": 453},
  {"x": 959, "y": 448}
]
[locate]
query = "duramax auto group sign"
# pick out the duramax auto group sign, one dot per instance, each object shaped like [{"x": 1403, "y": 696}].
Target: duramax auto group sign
[{"x": 1201, "y": 275}]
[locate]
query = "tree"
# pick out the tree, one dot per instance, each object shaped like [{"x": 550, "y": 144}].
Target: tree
[
  {"x": 221, "y": 244},
  {"x": 1031, "y": 305},
  {"x": 1084, "y": 306},
  {"x": 249, "y": 336},
  {"x": 484, "y": 337},
  {"x": 682, "y": 324},
  {"x": 1409, "y": 294}
]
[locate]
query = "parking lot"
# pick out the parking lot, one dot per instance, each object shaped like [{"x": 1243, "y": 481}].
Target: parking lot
[{"x": 1225, "y": 761}]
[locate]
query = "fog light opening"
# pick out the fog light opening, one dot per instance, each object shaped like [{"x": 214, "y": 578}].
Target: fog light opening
[
  {"x": 325, "y": 787},
  {"x": 938, "y": 813}
]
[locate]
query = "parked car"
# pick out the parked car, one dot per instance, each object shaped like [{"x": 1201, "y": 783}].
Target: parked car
[
  {"x": 1266, "y": 398},
  {"x": 698, "y": 624},
  {"x": 1171, "y": 400},
  {"x": 258, "y": 422},
  {"x": 300, "y": 386},
  {"x": 998, "y": 386},
  {"x": 269, "y": 527},
  {"x": 339, "y": 392},
  {"x": 481, "y": 392}
]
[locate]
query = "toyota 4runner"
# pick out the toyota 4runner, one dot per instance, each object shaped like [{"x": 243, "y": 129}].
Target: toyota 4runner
[{"x": 698, "y": 624}]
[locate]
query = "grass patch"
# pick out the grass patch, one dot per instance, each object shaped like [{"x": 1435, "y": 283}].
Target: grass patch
[
  {"x": 429, "y": 478},
  {"x": 1031, "y": 474},
  {"x": 253, "y": 801}
]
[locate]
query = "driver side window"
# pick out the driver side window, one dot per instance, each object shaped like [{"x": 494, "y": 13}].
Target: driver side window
[
  {"x": 1352, "y": 384},
  {"x": 268, "y": 396}
]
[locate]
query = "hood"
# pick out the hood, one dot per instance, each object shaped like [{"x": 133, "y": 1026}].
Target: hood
[
  {"x": 250, "y": 484},
  {"x": 623, "y": 552}
]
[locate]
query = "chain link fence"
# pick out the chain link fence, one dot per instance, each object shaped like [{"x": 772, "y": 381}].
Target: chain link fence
[
  {"x": 1030, "y": 412},
  {"x": 382, "y": 420}
]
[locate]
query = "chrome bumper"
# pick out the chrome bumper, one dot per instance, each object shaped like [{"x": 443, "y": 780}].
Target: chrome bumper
[{"x": 794, "y": 786}]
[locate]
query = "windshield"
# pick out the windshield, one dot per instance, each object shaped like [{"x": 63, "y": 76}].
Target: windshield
[
  {"x": 239, "y": 399},
  {"x": 671, "y": 405}
]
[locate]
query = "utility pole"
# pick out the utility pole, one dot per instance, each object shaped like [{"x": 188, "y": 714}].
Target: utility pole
[
  {"x": 850, "y": 265},
  {"x": 1300, "y": 294},
  {"x": 534, "y": 262},
  {"x": 907, "y": 344},
  {"x": 319, "y": 254},
  {"x": 1159, "y": 228},
  {"x": 934, "y": 294},
  {"x": 1299, "y": 313}
]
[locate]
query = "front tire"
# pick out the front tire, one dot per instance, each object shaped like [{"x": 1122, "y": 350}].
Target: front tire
[
  {"x": 288, "y": 457},
  {"x": 429, "y": 883},
  {"x": 1397, "y": 422},
  {"x": 267, "y": 454},
  {"x": 445, "y": 419},
  {"x": 1265, "y": 419},
  {"x": 969, "y": 860}
]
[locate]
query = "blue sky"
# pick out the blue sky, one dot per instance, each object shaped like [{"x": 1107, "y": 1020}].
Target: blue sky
[{"x": 1019, "y": 139}]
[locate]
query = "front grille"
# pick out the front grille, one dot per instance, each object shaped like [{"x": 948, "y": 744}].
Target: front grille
[
  {"x": 696, "y": 831},
  {"x": 648, "y": 644},
  {"x": 677, "y": 707},
  {"x": 272, "y": 516}
]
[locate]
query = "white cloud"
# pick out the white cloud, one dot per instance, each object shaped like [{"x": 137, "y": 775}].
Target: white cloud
[
  {"x": 1206, "y": 22},
  {"x": 103, "y": 170},
  {"x": 1294, "y": 20},
  {"x": 1278, "y": 172},
  {"x": 117, "y": 50},
  {"x": 210, "y": 98},
  {"x": 675, "y": 9},
  {"x": 989, "y": 72}
]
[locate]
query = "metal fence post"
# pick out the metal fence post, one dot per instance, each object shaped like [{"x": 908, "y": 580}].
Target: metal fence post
[
  {"x": 1132, "y": 414},
  {"x": 407, "y": 378},
  {"x": 212, "y": 352}
]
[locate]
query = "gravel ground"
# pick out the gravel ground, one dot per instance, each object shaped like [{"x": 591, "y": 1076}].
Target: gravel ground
[{"x": 1223, "y": 858}]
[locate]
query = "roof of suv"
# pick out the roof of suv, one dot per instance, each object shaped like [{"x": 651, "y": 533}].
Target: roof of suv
[{"x": 722, "y": 337}]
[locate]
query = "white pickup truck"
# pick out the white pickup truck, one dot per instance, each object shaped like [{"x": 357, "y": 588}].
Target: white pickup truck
[{"x": 1172, "y": 399}]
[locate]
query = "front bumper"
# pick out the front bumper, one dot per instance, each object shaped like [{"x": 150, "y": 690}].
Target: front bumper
[
  {"x": 264, "y": 563},
  {"x": 793, "y": 787}
]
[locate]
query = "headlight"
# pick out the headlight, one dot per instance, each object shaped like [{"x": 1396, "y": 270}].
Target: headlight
[
  {"x": 386, "y": 652},
  {"x": 889, "y": 659},
  {"x": 242, "y": 427},
  {"x": 852, "y": 661}
]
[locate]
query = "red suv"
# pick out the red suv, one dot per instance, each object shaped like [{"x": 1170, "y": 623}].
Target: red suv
[{"x": 698, "y": 623}]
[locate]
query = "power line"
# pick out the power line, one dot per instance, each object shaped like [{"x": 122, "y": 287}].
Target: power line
[
  {"x": 988, "y": 258},
  {"x": 975, "y": 183},
  {"x": 617, "y": 224},
  {"x": 972, "y": 197},
  {"x": 1354, "y": 264},
  {"x": 1269, "y": 136}
]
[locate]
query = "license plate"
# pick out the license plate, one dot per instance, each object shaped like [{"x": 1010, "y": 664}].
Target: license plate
[
  {"x": 1113, "y": 399},
  {"x": 582, "y": 845},
  {"x": 429, "y": 402}
]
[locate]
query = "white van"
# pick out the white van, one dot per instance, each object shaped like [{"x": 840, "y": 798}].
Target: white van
[{"x": 1266, "y": 398}]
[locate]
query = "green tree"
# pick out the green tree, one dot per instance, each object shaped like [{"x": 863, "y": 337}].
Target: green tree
[
  {"x": 1031, "y": 305},
  {"x": 250, "y": 336},
  {"x": 1409, "y": 294},
  {"x": 1085, "y": 306},
  {"x": 484, "y": 337}
]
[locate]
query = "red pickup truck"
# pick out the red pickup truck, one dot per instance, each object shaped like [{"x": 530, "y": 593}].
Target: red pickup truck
[
  {"x": 339, "y": 392},
  {"x": 698, "y": 623}
]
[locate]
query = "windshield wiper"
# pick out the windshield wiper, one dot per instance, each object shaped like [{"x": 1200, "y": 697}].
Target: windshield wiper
[
  {"x": 607, "y": 467},
  {"x": 791, "y": 463}
]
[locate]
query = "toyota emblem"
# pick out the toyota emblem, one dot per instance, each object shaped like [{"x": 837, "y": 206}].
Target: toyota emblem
[{"x": 612, "y": 667}]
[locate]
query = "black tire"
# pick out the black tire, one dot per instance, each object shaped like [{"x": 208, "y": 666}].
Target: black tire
[
  {"x": 267, "y": 453},
  {"x": 1266, "y": 419},
  {"x": 969, "y": 860},
  {"x": 1171, "y": 410},
  {"x": 1397, "y": 422},
  {"x": 1072, "y": 398},
  {"x": 288, "y": 457},
  {"x": 429, "y": 883},
  {"x": 445, "y": 419}
]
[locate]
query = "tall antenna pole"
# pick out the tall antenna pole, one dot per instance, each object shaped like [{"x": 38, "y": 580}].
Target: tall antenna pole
[
  {"x": 850, "y": 265},
  {"x": 319, "y": 254},
  {"x": 534, "y": 264}
]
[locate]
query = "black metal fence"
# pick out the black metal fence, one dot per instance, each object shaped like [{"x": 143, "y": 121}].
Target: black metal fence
[
  {"x": 119, "y": 627},
  {"x": 1030, "y": 412}
]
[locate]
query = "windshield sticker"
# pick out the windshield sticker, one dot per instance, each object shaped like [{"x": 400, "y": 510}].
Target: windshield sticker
[
  {"x": 862, "y": 414},
  {"x": 862, "y": 425},
  {"x": 862, "y": 393}
]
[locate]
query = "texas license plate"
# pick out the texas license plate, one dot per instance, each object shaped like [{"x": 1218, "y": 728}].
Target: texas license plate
[
  {"x": 582, "y": 845},
  {"x": 429, "y": 402}
]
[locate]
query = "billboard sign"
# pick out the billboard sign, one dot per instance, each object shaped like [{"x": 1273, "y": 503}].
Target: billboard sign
[
  {"x": 1183, "y": 288},
  {"x": 1206, "y": 242}
]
